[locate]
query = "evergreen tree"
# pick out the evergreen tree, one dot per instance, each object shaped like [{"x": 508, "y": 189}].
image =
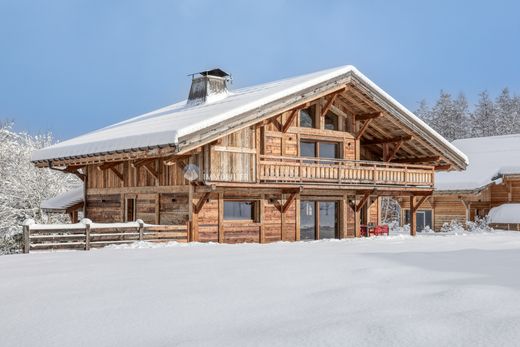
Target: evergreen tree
[
  {"x": 483, "y": 120},
  {"x": 505, "y": 113}
]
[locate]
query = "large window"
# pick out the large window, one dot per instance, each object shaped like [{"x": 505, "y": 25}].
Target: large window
[
  {"x": 307, "y": 118},
  {"x": 239, "y": 210},
  {"x": 320, "y": 149},
  {"x": 331, "y": 121}
]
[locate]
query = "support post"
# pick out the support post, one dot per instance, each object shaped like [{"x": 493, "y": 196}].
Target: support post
[
  {"x": 27, "y": 235},
  {"x": 261, "y": 218},
  {"x": 141, "y": 229},
  {"x": 412, "y": 216},
  {"x": 87, "y": 223},
  {"x": 220, "y": 217}
]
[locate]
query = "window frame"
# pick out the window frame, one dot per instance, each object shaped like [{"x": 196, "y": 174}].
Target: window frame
[
  {"x": 311, "y": 111},
  {"x": 336, "y": 122},
  {"x": 317, "y": 150},
  {"x": 254, "y": 211}
]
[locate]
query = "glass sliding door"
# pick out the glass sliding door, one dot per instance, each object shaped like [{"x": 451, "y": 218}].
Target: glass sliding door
[
  {"x": 318, "y": 220},
  {"x": 328, "y": 219},
  {"x": 307, "y": 220}
]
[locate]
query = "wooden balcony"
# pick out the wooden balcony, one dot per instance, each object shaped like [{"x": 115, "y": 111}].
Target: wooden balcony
[{"x": 274, "y": 169}]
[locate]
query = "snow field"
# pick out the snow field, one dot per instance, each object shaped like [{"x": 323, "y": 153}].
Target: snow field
[{"x": 431, "y": 290}]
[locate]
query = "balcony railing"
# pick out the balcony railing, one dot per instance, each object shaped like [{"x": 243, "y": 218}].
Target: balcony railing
[{"x": 277, "y": 169}]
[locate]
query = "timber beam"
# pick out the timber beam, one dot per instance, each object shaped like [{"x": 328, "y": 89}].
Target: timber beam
[
  {"x": 419, "y": 203},
  {"x": 446, "y": 167},
  {"x": 108, "y": 165},
  {"x": 151, "y": 170},
  {"x": 363, "y": 129},
  {"x": 198, "y": 207},
  {"x": 363, "y": 201},
  {"x": 389, "y": 140},
  {"x": 389, "y": 155},
  {"x": 331, "y": 100},
  {"x": 367, "y": 116},
  {"x": 288, "y": 202},
  {"x": 289, "y": 120},
  {"x": 71, "y": 169},
  {"x": 416, "y": 160}
]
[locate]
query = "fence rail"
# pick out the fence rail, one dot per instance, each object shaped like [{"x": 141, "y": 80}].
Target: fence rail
[{"x": 86, "y": 235}]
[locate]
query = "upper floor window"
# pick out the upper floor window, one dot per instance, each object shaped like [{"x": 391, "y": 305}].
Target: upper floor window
[
  {"x": 331, "y": 121},
  {"x": 321, "y": 149},
  {"x": 329, "y": 150},
  {"x": 307, "y": 118}
]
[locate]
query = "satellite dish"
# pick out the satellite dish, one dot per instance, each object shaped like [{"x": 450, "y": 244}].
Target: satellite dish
[{"x": 191, "y": 172}]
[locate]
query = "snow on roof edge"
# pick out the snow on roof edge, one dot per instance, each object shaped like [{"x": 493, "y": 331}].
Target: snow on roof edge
[
  {"x": 411, "y": 115},
  {"x": 172, "y": 137}
]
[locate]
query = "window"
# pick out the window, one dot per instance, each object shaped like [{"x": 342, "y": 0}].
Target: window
[
  {"x": 307, "y": 149},
  {"x": 329, "y": 150},
  {"x": 331, "y": 121},
  {"x": 130, "y": 210},
  {"x": 423, "y": 219},
  {"x": 239, "y": 210},
  {"x": 319, "y": 149},
  {"x": 307, "y": 118}
]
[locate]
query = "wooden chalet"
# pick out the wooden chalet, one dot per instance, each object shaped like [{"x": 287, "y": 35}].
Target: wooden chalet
[
  {"x": 302, "y": 158},
  {"x": 492, "y": 179}
]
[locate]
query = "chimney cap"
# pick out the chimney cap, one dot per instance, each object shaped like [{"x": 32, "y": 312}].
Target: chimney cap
[{"x": 213, "y": 72}]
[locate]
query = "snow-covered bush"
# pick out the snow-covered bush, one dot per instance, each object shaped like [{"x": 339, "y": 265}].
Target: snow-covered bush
[
  {"x": 23, "y": 186},
  {"x": 454, "y": 227},
  {"x": 480, "y": 224}
]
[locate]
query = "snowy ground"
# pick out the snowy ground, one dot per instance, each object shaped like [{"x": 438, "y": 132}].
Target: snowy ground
[{"x": 432, "y": 290}]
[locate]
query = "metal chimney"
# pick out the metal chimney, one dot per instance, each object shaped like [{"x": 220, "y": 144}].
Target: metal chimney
[{"x": 207, "y": 85}]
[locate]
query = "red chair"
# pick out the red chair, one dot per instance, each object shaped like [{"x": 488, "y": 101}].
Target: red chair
[
  {"x": 363, "y": 230},
  {"x": 381, "y": 230}
]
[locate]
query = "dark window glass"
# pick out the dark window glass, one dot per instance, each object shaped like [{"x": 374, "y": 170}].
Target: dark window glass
[
  {"x": 239, "y": 210},
  {"x": 307, "y": 118},
  {"x": 422, "y": 220},
  {"x": 130, "y": 210},
  {"x": 329, "y": 150},
  {"x": 307, "y": 220},
  {"x": 331, "y": 121},
  {"x": 328, "y": 219},
  {"x": 307, "y": 149}
]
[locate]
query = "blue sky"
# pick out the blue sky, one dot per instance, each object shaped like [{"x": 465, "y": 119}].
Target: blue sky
[{"x": 74, "y": 66}]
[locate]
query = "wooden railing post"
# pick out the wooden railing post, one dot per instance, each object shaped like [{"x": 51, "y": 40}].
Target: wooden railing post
[
  {"x": 141, "y": 229},
  {"x": 27, "y": 235},
  {"x": 87, "y": 222}
]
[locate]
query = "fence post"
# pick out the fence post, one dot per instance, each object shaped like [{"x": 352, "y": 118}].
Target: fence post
[
  {"x": 87, "y": 222},
  {"x": 141, "y": 229},
  {"x": 26, "y": 235}
]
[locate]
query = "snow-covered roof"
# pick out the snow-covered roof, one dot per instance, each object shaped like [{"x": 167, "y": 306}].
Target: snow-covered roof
[
  {"x": 174, "y": 123},
  {"x": 506, "y": 213},
  {"x": 489, "y": 159},
  {"x": 63, "y": 201}
]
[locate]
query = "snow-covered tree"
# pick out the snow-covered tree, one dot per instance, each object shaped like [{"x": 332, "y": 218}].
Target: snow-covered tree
[
  {"x": 22, "y": 185},
  {"x": 506, "y": 113},
  {"x": 448, "y": 117},
  {"x": 483, "y": 119}
]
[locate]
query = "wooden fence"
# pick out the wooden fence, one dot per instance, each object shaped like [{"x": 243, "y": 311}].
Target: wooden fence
[
  {"x": 505, "y": 226},
  {"x": 86, "y": 235}
]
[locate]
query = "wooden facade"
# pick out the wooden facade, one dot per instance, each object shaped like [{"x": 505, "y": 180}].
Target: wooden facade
[
  {"x": 463, "y": 206},
  {"x": 313, "y": 169}
]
